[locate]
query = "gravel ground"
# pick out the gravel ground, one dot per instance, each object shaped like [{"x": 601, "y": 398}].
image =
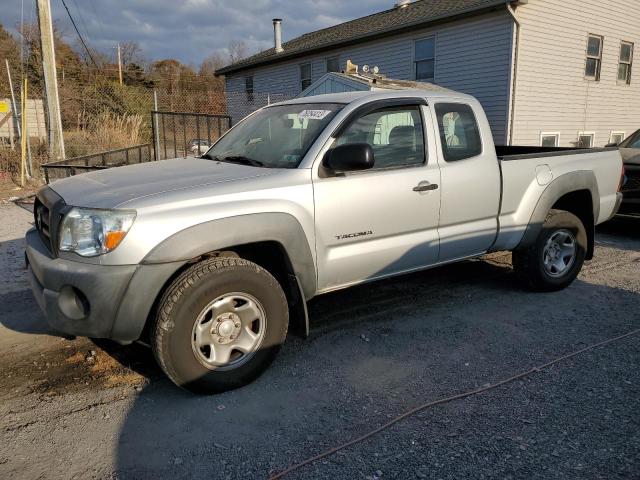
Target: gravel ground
[{"x": 73, "y": 409}]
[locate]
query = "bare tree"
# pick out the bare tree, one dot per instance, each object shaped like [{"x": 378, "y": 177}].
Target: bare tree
[
  {"x": 237, "y": 50},
  {"x": 131, "y": 52},
  {"x": 212, "y": 63}
]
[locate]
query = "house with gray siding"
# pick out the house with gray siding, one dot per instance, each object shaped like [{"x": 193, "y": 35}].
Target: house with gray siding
[{"x": 546, "y": 72}]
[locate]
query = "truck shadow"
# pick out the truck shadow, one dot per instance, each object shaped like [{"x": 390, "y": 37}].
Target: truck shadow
[
  {"x": 620, "y": 233},
  {"x": 375, "y": 349}
]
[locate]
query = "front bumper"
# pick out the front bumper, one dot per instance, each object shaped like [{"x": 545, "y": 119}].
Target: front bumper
[
  {"x": 93, "y": 300},
  {"x": 76, "y": 298}
]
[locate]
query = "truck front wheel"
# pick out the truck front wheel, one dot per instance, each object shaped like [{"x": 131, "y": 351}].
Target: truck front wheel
[
  {"x": 219, "y": 325},
  {"x": 556, "y": 257}
]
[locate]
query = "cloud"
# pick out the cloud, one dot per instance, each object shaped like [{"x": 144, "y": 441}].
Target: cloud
[{"x": 190, "y": 30}]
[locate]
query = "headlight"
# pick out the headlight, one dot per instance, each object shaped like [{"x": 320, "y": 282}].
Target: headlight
[{"x": 89, "y": 232}]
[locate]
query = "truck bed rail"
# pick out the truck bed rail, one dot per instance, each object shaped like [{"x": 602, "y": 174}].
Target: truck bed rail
[{"x": 517, "y": 152}]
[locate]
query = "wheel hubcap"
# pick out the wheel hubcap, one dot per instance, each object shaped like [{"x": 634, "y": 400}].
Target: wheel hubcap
[
  {"x": 228, "y": 331},
  {"x": 559, "y": 253}
]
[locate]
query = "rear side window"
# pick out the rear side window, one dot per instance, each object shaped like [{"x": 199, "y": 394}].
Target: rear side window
[{"x": 459, "y": 132}]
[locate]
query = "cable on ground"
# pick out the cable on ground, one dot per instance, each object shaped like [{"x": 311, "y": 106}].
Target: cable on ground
[{"x": 459, "y": 396}]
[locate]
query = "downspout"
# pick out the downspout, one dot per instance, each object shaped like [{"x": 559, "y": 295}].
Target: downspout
[{"x": 516, "y": 48}]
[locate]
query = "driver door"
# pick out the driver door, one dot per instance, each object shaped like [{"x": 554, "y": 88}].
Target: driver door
[{"x": 382, "y": 221}]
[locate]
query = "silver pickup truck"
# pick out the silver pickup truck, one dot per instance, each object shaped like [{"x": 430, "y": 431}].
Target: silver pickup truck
[{"x": 211, "y": 260}]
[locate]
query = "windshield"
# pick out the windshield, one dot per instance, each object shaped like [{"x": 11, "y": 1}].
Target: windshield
[
  {"x": 275, "y": 137},
  {"x": 632, "y": 142}
]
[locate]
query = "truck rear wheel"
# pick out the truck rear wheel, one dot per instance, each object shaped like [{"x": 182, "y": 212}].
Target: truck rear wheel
[
  {"x": 555, "y": 259},
  {"x": 219, "y": 325}
]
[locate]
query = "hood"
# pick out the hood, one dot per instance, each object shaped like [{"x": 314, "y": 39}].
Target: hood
[
  {"x": 630, "y": 155},
  {"x": 111, "y": 187}
]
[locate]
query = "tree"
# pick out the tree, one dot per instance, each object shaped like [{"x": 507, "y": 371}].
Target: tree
[
  {"x": 237, "y": 50},
  {"x": 210, "y": 64},
  {"x": 10, "y": 50},
  {"x": 131, "y": 53}
]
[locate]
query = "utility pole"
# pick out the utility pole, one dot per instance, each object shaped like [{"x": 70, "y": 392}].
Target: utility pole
[
  {"x": 56, "y": 140},
  {"x": 119, "y": 65}
]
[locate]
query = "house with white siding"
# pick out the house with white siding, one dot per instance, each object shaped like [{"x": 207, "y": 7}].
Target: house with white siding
[{"x": 547, "y": 72}]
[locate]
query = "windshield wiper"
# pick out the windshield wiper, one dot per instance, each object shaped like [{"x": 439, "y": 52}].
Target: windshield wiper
[{"x": 242, "y": 160}]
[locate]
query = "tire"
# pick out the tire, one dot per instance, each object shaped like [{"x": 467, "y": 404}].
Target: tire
[
  {"x": 536, "y": 266},
  {"x": 209, "y": 303}
]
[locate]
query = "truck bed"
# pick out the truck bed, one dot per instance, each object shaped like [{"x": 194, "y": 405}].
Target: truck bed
[
  {"x": 517, "y": 152},
  {"x": 524, "y": 181}
]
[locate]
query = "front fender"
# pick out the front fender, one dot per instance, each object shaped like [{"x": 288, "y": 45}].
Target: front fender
[{"x": 228, "y": 232}]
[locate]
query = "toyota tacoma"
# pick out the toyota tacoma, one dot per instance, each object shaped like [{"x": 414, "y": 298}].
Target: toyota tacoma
[{"x": 212, "y": 260}]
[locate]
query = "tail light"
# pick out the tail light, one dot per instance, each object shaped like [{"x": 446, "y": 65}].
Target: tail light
[{"x": 623, "y": 179}]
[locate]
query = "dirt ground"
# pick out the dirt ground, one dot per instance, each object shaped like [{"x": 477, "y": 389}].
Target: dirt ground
[
  {"x": 10, "y": 191},
  {"x": 77, "y": 409}
]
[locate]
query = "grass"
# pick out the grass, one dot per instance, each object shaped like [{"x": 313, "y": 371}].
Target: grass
[{"x": 107, "y": 131}]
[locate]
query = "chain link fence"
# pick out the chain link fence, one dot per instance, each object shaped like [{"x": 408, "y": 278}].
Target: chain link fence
[{"x": 103, "y": 115}]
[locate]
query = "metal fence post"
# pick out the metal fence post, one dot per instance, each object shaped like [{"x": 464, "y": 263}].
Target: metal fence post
[
  {"x": 154, "y": 133},
  {"x": 198, "y": 132},
  {"x": 175, "y": 140},
  {"x": 154, "y": 122},
  {"x": 184, "y": 133}
]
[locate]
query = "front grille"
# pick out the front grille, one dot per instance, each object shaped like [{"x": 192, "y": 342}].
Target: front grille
[
  {"x": 42, "y": 215},
  {"x": 48, "y": 209}
]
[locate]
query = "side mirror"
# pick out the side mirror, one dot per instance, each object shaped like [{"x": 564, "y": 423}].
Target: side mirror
[
  {"x": 614, "y": 144},
  {"x": 349, "y": 157}
]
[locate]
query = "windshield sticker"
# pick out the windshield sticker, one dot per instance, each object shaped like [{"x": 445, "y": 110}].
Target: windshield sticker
[{"x": 314, "y": 114}]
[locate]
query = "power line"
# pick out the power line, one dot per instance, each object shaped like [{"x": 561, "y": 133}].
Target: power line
[
  {"x": 84, "y": 24},
  {"x": 96, "y": 18},
  {"x": 78, "y": 32}
]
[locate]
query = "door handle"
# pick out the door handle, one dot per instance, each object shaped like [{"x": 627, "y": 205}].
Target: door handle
[{"x": 425, "y": 187}]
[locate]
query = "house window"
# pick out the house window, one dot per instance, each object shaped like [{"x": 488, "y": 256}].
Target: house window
[
  {"x": 248, "y": 87},
  {"x": 585, "y": 140},
  {"x": 305, "y": 76},
  {"x": 333, "y": 64},
  {"x": 594, "y": 57},
  {"x": 626, "y": 59},
  {"x": 616, "y": 137},
  {"x": 425, "y": 60},
  {"x": 549, "y": 139}
]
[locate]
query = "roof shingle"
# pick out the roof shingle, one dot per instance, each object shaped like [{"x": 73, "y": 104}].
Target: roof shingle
[{"x": 415, "y": 15}]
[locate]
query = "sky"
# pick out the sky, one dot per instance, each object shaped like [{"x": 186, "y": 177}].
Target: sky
[{"x": 189, "y": 30}]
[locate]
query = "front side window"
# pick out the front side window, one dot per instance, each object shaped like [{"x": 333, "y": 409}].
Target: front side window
[
  {"x": 305, "y": 76},
  {"x": 333, "y": 64},
  {"x": 459, "y": 131},
  {"x": 549, "y": 139},
  {"x": 248, "y": 87},
  {"x": 425, "y": 60},
  {"x": 585, "y": 140},
  {"x": 395, "y": 134},
  {"x": 274, "y": 137},
  {"x": 626, "y": 60},
  {"x": 594, "y": 57}
]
